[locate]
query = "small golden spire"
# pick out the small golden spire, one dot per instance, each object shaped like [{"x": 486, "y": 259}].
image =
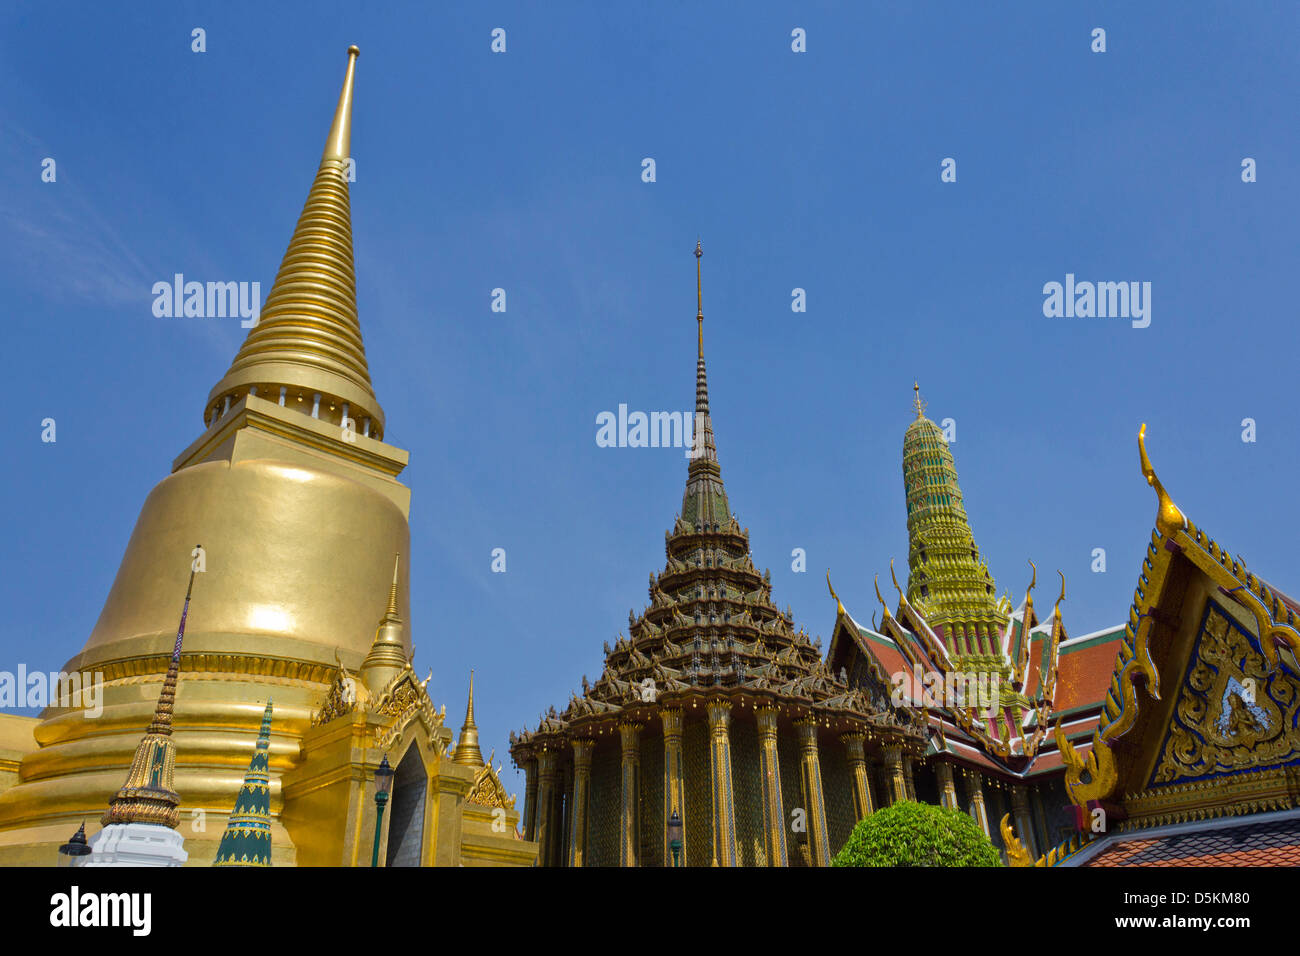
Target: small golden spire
[
  {"x": 387, "y": 657},
  {"x": 917, "y": 402},
  {"x": 467, "y": 752},
  {"x": 699, "y": 295},
  {"x": 392, "y": 593},
  {"x": 339, "y": 143},
  {"x": 1169, "y": 520}
]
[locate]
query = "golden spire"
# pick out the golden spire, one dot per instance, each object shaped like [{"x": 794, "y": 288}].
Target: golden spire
[
  {"x": 148, "y": 795},
  {"x": 467, "y": 750},
  {"x": 1169, "y": 520},
  {"x": 387, "y": 657},
  {"x": 917, "y": 403},
  {"x": 307, "y": 340},
  {"x": 392, "y": 593},
  {"x": 339, "y": 143}
]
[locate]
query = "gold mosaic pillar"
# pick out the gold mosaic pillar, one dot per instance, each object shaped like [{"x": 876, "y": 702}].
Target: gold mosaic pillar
[
  {"x": 977, "y": 809},
  {"x": 818, "y": 839},
  {"x": 1024, "y": 818},
  {"x": 530, "y": 799},
  {"x": 947, "y": 791},
  {"x": 853, "y": 747},
  {"x": 894, "y": 770},
  {"x": 770, "y": 768},
  {"x": 582, "y": 749},
  {"x": 548, "y": 768},
  {"x": 724, "y": 809},
  {"x": 907, "y": 777},
  {"x": 629, "y": 835},
  {"x": 674, "y": 787}
]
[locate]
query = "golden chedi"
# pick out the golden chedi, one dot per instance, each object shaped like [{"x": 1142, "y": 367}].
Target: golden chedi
[{"x": 294, "y": 493}]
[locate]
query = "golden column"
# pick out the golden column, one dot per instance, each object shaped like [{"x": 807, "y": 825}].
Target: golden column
[
  {"x": 770, "y": 767},
  {"x": 549, "y": 772},
  {"x": 582, "y": 749},
  {"x": 907, "y": 777},
  {"x": 894, "y": 768},
  {"x": 674, "y": 787},
  {"x": 818, "y": 839},
  {"x": 853, "y": 746},
  {"x": 947, "y": 791},
  {"x": 530, "y": 798},
  {"x": 1023, "y": 817},
  {"x": 724, "y": 808},
  {"x": 977, "y": 809},
  {"x": 629, "y": 840}
]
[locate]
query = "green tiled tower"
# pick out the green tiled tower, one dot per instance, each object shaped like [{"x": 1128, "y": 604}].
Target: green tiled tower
[
  {"x": 247, "y": 840},
  {"x": 948, "y": 581}
]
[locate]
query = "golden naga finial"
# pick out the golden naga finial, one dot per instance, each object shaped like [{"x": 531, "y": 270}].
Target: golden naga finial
[
  {"x": 1169, "y": 520},
  {"x": 1057, "y": 609},
  {"x": 917, "y": 402},
  {"x": 894, "y": 578},
  {"x": 839, "y": 605},
  {"x": 1017, "y": 855},
  {"x": 1033, "y": 583},
  {"x": 881, "y": 599}
]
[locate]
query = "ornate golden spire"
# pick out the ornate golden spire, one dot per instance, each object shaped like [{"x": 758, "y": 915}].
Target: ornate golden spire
[
  {"x": 307, "y": 341},
  {"x": 467, "y": 750},
  {"x": 147, "y": 796},
  {"x": 917, "y": 403},
  {"x": 387, "y": 657}
]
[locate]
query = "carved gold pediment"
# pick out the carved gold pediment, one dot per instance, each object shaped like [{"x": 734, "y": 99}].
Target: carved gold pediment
[{"x": 1234, "y": 711}]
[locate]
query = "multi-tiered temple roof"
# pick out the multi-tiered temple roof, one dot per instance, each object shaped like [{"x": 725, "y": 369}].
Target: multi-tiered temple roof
[{"x": 711, "y": 624}]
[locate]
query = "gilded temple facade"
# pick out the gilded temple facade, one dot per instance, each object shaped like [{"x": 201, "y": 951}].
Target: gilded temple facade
[
  {"x": 301, "y": 596},
  {"x": 1196, "y": 761},
  {"x": 712, "y": 707}
]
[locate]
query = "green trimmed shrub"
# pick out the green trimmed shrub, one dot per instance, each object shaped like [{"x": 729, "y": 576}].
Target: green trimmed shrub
[{"x": 917, "y": 834}]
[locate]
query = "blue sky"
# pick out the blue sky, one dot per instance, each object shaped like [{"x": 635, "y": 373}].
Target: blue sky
[{"x": 522, "y": 170}]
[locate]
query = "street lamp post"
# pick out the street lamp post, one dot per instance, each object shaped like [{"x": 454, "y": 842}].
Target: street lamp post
[
  {"x": 675, "y": 836},
  {"x": 73, "y": 852},
  {"x": 383, "y": 781}
]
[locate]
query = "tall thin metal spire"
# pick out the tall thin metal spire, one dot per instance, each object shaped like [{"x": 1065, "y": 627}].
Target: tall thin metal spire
[{"x": 705, "y": 500}]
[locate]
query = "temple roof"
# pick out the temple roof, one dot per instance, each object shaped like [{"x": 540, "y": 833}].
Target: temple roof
[{"x": 711, "y": 624}]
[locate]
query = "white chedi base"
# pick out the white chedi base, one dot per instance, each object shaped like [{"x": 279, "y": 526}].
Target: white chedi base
[{"x": 136, "y": 844}]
